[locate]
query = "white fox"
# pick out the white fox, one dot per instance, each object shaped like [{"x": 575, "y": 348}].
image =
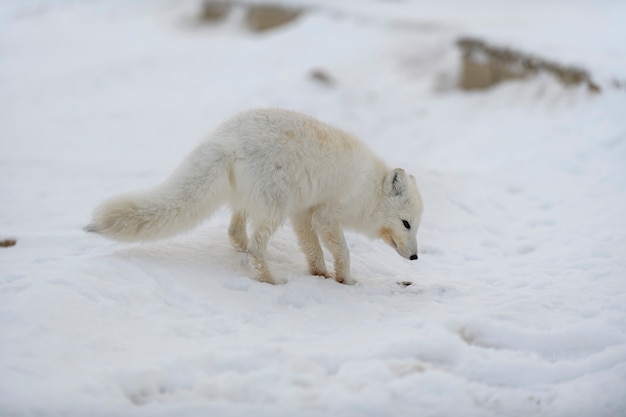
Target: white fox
[{"x": 270, "y": 165}]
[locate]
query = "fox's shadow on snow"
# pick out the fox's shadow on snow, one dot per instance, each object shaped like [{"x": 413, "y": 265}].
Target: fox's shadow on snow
[
  {"x": 206, "y": 254},
  {"x": 208, "y": 250}
]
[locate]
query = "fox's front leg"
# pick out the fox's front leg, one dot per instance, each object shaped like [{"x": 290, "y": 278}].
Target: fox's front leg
[
  {"x": 333, "y": 238},
  {"x": 310, "y": 244},
  {"x": 237, "y": 231}
]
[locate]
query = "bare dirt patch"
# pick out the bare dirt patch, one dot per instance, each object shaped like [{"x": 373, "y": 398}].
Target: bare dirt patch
[
  {"x": 485, "y": 65},
  {"x": 257, "y": 17}
]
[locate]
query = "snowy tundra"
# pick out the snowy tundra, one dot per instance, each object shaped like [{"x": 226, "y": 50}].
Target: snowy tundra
[
  {"x": 517, "y": 306},
  {"x": 270, "y": 164}
]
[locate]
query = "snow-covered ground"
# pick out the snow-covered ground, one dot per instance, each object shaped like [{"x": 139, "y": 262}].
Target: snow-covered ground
[{"x": 518, "y": 302}]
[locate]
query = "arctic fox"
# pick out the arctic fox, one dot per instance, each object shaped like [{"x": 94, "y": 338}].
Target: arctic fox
[{"x": 270, "y": 165}]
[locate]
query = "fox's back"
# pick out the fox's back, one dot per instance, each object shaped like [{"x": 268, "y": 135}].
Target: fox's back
[{"x": 279, "y": 152}]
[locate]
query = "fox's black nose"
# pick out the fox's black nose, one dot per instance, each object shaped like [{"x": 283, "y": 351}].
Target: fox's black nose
[{"x": 413, "y": 257}]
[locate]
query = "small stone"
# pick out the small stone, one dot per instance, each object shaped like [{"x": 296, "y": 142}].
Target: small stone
[
  {"x": 7, "y": 243},
  {"x": 322, "y": 77}
]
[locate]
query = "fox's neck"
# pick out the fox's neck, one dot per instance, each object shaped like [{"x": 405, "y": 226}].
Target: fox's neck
[{"x": 365, "y": 211}]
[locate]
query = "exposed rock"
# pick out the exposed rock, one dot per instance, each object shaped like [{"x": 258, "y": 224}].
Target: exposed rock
[
  {"x": 485, "y": 65},
  {"x": 215, "y": 10},
  {"x": 6, "y": 243},
  {"x": 262, "y": 17},
  {"x": 257, "y": 17}
]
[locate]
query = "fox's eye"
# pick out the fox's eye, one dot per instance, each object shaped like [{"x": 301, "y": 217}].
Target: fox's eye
[{"x": 406, "y": 224}]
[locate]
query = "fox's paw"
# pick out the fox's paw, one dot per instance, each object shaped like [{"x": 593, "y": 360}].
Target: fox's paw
[
  {"x": 239, "y": 245},
  {"x": 273, "y": 281},
  {"x": 267, "y": 280},
  {"x": 345, "y": 280},
  {"x": 320, "y": 273},
  {"x": 240, "y": 248}
]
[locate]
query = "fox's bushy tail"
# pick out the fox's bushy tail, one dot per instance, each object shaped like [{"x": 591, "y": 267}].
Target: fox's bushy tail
[{"x": 193, "y": 192}]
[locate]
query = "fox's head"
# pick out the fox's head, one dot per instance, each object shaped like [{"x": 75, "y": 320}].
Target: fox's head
[{"x": 400, "y": 213}]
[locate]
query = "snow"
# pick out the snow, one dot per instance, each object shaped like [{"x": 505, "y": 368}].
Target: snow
[{"x": 517, "y": 304}]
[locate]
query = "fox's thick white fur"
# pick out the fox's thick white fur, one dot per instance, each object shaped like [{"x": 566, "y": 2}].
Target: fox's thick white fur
[{"x": 270, "y": 165}]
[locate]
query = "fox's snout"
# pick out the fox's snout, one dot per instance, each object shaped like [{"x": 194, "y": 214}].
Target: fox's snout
[
  {"x": 407, "y": 251},
  {"x": 412, "y": 257}
]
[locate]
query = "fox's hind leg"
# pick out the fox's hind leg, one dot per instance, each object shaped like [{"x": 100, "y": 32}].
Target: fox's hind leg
[
  {"x": 310, "y": 244},
  {"x": 237, "y": 231},
  {"x": 257, "y": 248}
]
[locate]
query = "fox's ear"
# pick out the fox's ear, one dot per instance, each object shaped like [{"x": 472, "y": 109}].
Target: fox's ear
[{"x": 395, "y": 182}]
